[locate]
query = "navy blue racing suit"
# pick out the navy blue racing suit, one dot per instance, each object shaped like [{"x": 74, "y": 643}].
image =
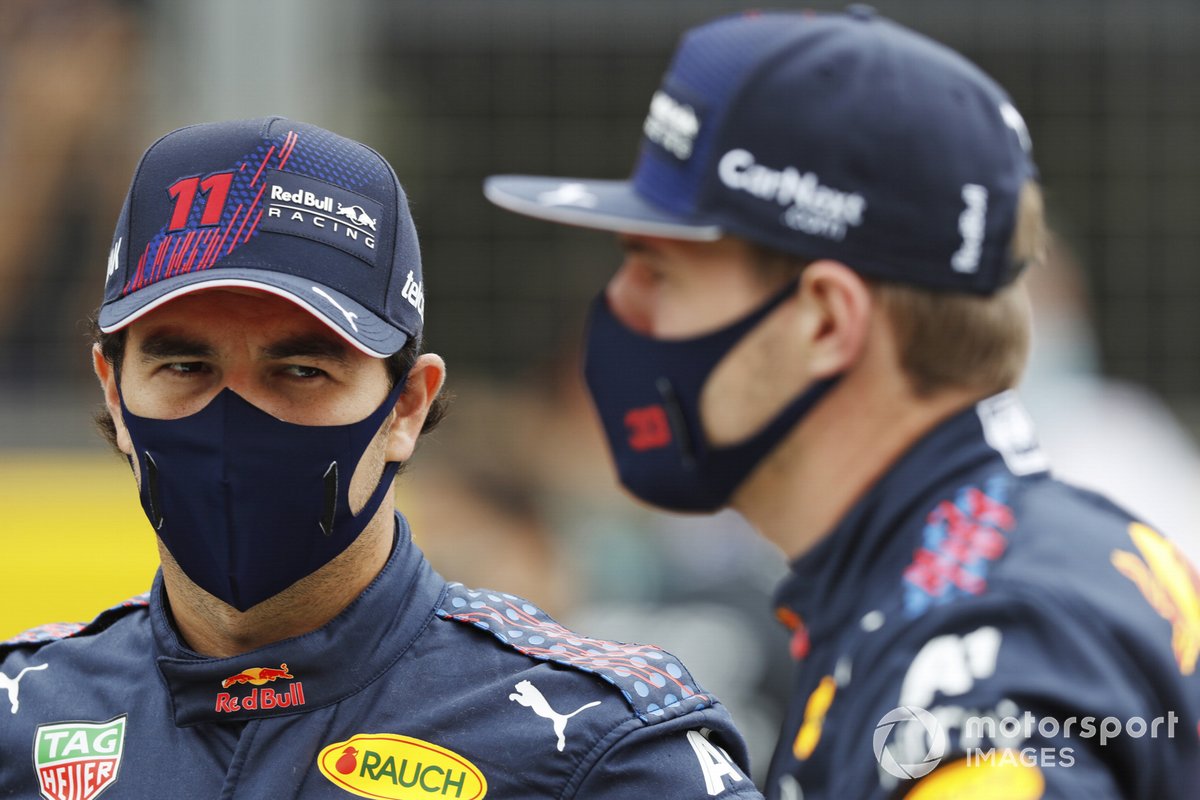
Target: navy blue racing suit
[
  {"x": 974, "y": 628},
  {"x": 418, "y": 689}
]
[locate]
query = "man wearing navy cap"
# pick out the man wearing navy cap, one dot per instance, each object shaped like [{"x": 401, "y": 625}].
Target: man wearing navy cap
[
  {"x": 259, "y": 349},
  {"x": 818, "y": 322}
]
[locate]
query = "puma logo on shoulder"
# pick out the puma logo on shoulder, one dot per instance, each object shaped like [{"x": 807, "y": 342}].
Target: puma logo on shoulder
[
  {"x": 12, "y": 686},
  {"x": 529, "y": 696}
]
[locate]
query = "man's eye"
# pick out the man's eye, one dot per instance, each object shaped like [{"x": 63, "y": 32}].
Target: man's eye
[
  {"x": 301, "y": 371},
  {"x": 651, "y": 272},
  {"x": 187, "y": 367}
]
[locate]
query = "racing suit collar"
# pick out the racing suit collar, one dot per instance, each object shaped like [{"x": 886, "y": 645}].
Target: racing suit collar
[
  {"x": 307, "y": 672},
  {"x": 863, "y": 549}
]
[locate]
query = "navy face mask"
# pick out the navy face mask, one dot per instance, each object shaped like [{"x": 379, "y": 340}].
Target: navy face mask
[
  {"x": 647, "y": 393},
  {"x": 249, "y": 504}
]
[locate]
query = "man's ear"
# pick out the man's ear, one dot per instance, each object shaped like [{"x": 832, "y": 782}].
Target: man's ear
[
  {"x": 107, "y": 375},
  {"x": 839, "y": 304},
  {"x": 424, "y": 383}
]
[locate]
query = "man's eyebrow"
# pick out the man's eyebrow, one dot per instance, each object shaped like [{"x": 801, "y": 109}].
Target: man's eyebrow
[
  {"x": 633, "y": 244},
  {"x": 164, "y": 345},
  {"x": 307, "y": 346}
]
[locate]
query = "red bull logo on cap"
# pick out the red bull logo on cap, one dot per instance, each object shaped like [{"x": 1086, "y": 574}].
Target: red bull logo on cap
[{"x": 260, "y": 699}]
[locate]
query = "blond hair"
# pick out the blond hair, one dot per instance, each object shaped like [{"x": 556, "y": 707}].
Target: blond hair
[
  {"x": 956, "y": 340},
  {"x": 963, "y": 341}
]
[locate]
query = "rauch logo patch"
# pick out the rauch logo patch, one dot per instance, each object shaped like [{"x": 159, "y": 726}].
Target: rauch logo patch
[
  {"x": 389, "y": 766},
  {"x": 78, "y": 760}
]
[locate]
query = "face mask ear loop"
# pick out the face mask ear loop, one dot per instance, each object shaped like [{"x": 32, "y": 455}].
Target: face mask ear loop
[
  {"x": 385, "y": 479},
  {"x": 132, "y": 457},
  {"x": 117, "y": 378}
]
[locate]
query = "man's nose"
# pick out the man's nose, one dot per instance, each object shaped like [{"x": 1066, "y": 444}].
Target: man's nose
[{"x": 629, "y": 301}]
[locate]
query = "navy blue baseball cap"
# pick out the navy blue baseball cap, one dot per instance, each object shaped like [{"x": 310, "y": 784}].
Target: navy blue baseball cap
[
  {"x": 842, "y": 136},
  {"x": 274, "y": 205}
]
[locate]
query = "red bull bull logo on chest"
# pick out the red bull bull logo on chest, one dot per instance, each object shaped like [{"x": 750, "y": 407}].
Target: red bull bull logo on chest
[{"x": 260, "y": 699}]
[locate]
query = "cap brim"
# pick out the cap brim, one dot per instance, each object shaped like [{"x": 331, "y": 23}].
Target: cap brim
[
  {"x": 603, "y": 205},
  {"x": 359, "y": 326}
]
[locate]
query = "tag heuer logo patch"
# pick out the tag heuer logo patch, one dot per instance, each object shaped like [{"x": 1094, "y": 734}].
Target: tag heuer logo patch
[{"x": 78, "y": 760}]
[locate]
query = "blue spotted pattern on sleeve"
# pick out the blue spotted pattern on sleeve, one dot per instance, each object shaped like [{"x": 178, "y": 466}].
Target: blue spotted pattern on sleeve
[
  {"x": 53, "y": 632},
  {"x": 655, "y": 684}
]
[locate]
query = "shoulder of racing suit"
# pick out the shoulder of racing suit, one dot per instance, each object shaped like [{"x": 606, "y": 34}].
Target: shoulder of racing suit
[
  {"x": 653, "y": 682},
  {"x": 56, "y": 631}
]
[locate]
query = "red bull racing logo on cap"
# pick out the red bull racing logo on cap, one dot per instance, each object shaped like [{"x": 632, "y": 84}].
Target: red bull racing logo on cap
[
  {"x": 78, "y": 760},
  {"x": 260, "y": 699},
  {"x": 389, "y": 766},
  {"x": 303, "y": 206}
]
